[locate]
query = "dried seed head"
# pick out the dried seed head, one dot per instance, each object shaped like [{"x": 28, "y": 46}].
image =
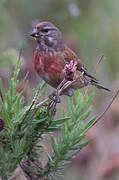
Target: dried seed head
[{"x": 70, "y": 69}]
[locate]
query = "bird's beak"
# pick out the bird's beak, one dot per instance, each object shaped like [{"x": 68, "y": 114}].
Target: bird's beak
[{"x": 34, "y": 33}]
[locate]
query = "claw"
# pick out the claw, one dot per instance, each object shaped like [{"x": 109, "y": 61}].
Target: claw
[
  {"x": 55, "y": 97},
  {"x": 51, "y": 96},
  {"x": 52, "y": 105}
]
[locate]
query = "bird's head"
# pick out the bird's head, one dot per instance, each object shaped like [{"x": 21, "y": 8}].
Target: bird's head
[{"x": 47, "y": 35}]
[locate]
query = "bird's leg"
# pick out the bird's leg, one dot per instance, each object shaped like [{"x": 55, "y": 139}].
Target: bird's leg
[
  {"x": 52, "y": 105},
  {"x": 55, "y": 95},
  {"x": 61, "y": 89},
  {"x": 52, "y": 96},
  {"x": 67, "y": 82},
  {"x": 65, "y": 86}
]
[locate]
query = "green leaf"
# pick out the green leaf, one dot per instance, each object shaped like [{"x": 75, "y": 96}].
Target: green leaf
[
  {"x": 85, "y": 115},
  {"x": 23, "y": 80},
  {"x": 80, "y": 146},
  {"x": 3, "y": 109},
  {"x": 2, "y": 89},
  {"x": 12, "y": 88},
  {"x": 17, "y": 70},
  {"x": 71, "y": 155},
  {"x": 78, "y": 98},
  {"x": 71, "y": 106},
  {"x": 42, "y": 85},
  {"x": 54, "y": 146},
  {"x": 49, "y": 157},
  {"x": 87, "y": 103},
  {"x": 52, "y": 129},
  {"x": 89, "y": 124},
  {"x": 18, "y": 101},
  {"x": 60, "y": 121},
  {"x": 38, "y": 121},
  {"x": 64, "y": 131},
  {"x": 78, "y": 138}
]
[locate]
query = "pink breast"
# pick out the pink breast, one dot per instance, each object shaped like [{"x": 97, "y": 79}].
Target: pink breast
[{"x": 48, "y": 67}]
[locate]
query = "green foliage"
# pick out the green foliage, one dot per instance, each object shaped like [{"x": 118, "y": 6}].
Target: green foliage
[
  {"x": 18, "y": 137},
  {"x": 70, "y": 141},
  {"x": 25, "y": 125}
]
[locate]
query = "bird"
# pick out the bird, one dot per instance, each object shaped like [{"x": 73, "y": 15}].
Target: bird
[{"x": 52, "y": 56}]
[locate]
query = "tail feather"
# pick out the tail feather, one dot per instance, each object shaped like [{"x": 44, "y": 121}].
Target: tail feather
[
  {"x": 83, "y": 68},
  {"x": 92, "y": 80},
  {"x": 100, "y": 86}
]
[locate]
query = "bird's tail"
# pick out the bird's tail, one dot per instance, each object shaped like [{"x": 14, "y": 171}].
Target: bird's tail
[{"x": 99, "y": 85}]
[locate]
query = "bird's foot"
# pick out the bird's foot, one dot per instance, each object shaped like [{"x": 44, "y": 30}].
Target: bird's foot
[
  {"x": 52, "y": 106},
  {"x": 55, "y": 96},
  {"x": 54, "y": 99}
]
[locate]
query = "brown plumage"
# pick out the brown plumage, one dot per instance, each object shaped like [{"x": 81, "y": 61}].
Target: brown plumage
[{"x": 51, "y": 57}]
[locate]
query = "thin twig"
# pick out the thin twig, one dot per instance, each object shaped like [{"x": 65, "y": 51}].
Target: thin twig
[
  {"x": 36, "y": 109},
  {"x": 26, "y": 173},
  {"x": 41, "y": 103},
  {"x": 20, "y": 54},
  {"x": 97, "y": 65},
  {"x": 66, "y": 85},
  {"x": 94, "y": 73},
  {"x": 30, "y": 122},
  {"x": 33, "y": 102},
  {"x": 106, "y": 109}
]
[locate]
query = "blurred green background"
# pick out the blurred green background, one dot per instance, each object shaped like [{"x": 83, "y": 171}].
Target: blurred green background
[{"x": 89, "y": 27}]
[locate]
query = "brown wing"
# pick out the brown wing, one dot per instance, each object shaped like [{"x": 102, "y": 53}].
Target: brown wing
[{"x": 69, "y": 55}]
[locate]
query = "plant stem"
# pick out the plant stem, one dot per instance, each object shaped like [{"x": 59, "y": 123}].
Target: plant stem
[
  {"x": 106, "y": 109},
  {"x": 94, "y": 73}
]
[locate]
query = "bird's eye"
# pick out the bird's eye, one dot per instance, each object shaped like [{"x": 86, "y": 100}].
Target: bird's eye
[{"x": 44, "y": 30}]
